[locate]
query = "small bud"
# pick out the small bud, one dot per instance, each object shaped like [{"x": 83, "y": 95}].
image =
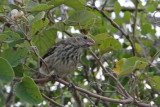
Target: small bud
[
  {"x": 21, "y": 13},
  {"x": 15, "y": 14}
]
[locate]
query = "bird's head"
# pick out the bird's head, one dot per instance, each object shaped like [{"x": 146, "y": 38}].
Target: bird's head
[{"x": 82, "y": 41}]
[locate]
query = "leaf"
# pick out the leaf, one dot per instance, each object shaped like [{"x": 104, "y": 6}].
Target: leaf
[
  {"x": 88, "y": 26},
  {"x": 58, "y": 26},
  {"x": 30, "y": 5},
  {"x": 28, "y": 91},
  {"x": 45, "y": 40},
  {"x": 126, "y": 65},
  {"x": 100, "y": 38},
  {"x": 18, "y": 70},
  {"x": 14, "y": 56},
  {"x": 127, "y": 16},
  {"x": 39, "y": 24},
  {"x": 9, "y": 36},
  {"x": 75, "y": 4},
  {"x": 118, "y": 21},
  {"x": 13, "y": 6},
  {"x": 41, "y": 7},
  {"x": 152, "y": 6},
  {"x": 138, "y": 48},
  {"x": 154, "y": 81},
  {"x": 117, "y": 7},
  {"x": 6, "y": 71},
  {"x": 109, "y": 44},
  {"x": 56, "y": 2},
  {"x": 80, "y": 18},
  {"x": 146, "y": 28},
  {"x": 39, "y": 16}
]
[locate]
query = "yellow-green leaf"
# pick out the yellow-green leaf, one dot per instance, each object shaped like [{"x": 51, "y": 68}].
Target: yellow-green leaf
[
  {"x": 138, "y": 48},
  {"x": 154, "y": 81},
  {"x": 126, "y": 65}
]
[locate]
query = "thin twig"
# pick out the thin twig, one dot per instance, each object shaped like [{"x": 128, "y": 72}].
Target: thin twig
[
  {"x": 104, "y": 5},
  {"x": 134, "y": 26},
  {"x": 51, "y": 100}
]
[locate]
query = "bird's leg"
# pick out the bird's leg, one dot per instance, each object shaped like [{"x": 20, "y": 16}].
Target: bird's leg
[
  {"x": 55, "y": 76},
  {"x": 71, "y": 87}
]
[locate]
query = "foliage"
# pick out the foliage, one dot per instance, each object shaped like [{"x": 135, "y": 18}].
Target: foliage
[{"x": 127, "y": 47}]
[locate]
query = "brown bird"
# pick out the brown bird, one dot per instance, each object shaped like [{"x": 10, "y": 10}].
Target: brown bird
[{"x": 62, "y": 58}]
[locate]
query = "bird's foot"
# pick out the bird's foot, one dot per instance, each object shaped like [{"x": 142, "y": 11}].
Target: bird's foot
[
  {"x": 71, "y": 87},
  {"x": 55, "y": 76}
]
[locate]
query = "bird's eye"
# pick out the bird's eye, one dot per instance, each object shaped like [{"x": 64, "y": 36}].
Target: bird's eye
[{"x": 85, "y": 37}]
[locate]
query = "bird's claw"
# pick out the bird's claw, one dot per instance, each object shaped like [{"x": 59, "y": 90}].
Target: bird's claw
[
  {"x": 71, "y": 87},
  {"x": 55, "y": 76}
]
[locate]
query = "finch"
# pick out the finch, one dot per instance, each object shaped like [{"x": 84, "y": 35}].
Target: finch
[{"x": 62, "y": 58}]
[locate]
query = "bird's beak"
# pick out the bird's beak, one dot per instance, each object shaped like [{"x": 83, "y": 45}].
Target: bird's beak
[{"x": 91, "y": 42}]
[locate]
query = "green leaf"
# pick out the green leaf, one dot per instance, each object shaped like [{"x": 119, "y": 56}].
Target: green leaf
[
  {"x": 154, "y": 81},
  {"x": 88, "y": 26},
  {"x": 109, "y": 44},
  {"x": 41, "y": 7},
  {"x": 45, "y": 40},
  {"x": 18, "y": 70},
  {"x": 9, "y": 36},
  {"x": 75, "y": 4},
  {"x": 58, "y": 26},
  {"x": 14, "y": 56},
  {"x": 100, "y": 38},
  {"x": 138, "y": 48},
  {"x": 2, "y": 101},
  {"x": 127, "y": 16},
  {"x": 39, "y": 25},
  {"x": 118, "y": 21},
  {"x": 146, "y": 28},
  {"x": 28, "y": 91},
  {"x": 113, "y": 30},
  {"x": 6, "y": 71},
  {"x": 80, "y": 18},
  {"x": 151, "y": 7},
  {"x": 39, "y": 16},
  {"x": 56, "y": 2},
  {"x": 99, "y": 27},
  {"x": 30, "y": 5},
  {"x": 13, "y": 6},
  {"x": 117, "y": 7},
  {"x": 126, "y": 65}
]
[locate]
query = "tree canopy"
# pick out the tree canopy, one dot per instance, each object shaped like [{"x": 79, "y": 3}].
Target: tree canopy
[{"x": 122, "y": 69}]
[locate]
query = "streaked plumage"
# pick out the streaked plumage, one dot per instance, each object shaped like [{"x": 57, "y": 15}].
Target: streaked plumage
[{"x": 63, "y": 57}]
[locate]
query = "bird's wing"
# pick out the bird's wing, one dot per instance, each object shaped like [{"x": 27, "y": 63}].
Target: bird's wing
[{"x": 52, "y": 50}]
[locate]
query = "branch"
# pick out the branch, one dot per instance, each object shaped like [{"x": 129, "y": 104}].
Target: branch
[
  {"x": 134, "y": 25},
  {"x": 124, "y": 101},
  {"x": 110, "y": 75},
  {"x": 131, "y": 9},
  {"x": 51, "y": 100},
  {"x": 44, "y": 80}
]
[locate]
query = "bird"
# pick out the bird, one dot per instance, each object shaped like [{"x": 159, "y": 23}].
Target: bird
[{"x": 62, "y": 58}]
